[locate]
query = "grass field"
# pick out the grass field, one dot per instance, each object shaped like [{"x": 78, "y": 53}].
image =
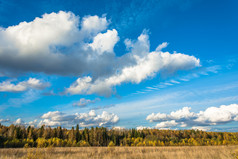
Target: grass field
[{"x": 206, "y": 152}]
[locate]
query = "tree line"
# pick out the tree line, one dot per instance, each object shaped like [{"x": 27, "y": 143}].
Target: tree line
[{"x": 19, "y": 136}]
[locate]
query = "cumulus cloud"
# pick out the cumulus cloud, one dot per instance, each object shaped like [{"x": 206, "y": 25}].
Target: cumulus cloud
[
  {"x": 84, "y": 102},
  {"x": 118, "y": 128},
  {"x": 145, "y": 64},
  {"x": 56, "y": 44},
  {"x": 166, "y": 124},
  {"x": 4, "y": 120},
  {"x": 31, "y": 83},
  {"x": 33, "y": 123},
  {"x": 185, "y": 118},
  {"x": 59, "y": 43},
  {"x": 21, "y": 122},
  {"x": 57, "y": 118},
  {"x": 35, "y": 37},
  {"x": 51, "y": 114},
  {"x": 218, "y": 114},
  {"x": 105, "y": 42},
  {"x": 142, "y": 127},
  {"x": 91, "y": 25},
  {"x": 202, "y": 128},
  {"x": 183, "y": 113}
]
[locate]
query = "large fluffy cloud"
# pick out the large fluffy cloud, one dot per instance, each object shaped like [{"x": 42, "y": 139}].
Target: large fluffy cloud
[
  {"x": 31, "y": 83},
  {"x": 29, "y": 38},
  {"x": 59, "y": 43},
  {"x": 185, "y": 118},
  {"x": 222, "y": 114},
  {"x": 57, "y": 118},
  {"x": 141, "y": 64}
]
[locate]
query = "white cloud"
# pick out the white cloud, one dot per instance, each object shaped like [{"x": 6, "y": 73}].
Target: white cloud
[
  {"x": 31, "y": 83},
  {"x": 83, "y": 119},
  {"x": 156, "y": 117},
  {"x": 210, "y": 117},
  {"x": 142, "y": 127},
  {"x": 59, "y": 43},
  {"x": 94, "y": 24},
  {"x": 236, "y": 118},
  {"x": 203, "y": 128},
  {"x": 92, "y": 113},
  {"x": 19, "y": 121},
  {"x": 173, "y": 81},
  {"x": 32, "y": 123},
  {"x": 4, "y": 120},
  {"x": 105, "y": 42},
  {"x": 161, "y": 46},
  {"x": 51, "y": 114},
  {"x": 183, "y": 113},
  {"x": 224, "y": 113},
  {"x": 166, "y": 124},
  {"x": 55, "y": 44},
  {"x": 84, "y": 102},
  {"x": 118, "y": 128},
  {"x": 146, "y": 64},
  {"x": 186, "y": 78},
  {"x": 36, "y": 36},
  {"x": 183, "y": 124},
  {"x": 80, "y": 86}
]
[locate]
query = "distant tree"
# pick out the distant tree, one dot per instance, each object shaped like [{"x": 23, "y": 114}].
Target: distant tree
[
  {"x": 59, "y": 132},
  {"x": 78, "y": 136},
  {"x": 72, "y": 135}
]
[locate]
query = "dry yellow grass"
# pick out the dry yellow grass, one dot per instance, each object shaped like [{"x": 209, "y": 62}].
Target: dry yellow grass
[{"x": 186, "y": 152}]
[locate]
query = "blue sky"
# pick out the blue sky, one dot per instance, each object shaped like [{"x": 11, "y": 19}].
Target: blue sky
[{"x": 132, "y": 64}]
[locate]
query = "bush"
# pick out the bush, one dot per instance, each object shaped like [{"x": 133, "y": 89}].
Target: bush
[
  {"x": 111, "y": 144},
  {"x": 83, "y": 143}
]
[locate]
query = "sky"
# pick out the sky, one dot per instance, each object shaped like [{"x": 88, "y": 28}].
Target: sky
[{"x": 164, "y": 64}]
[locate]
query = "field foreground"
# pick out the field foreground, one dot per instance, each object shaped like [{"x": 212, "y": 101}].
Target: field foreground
[{"x": 187, "y": 152}]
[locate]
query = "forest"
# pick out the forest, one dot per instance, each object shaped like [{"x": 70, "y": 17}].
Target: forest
[{"x": 14, "y": 136}]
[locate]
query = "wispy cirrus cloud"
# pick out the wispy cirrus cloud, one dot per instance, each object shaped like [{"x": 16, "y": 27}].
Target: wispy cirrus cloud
[
  {"x": 25, "y": 98},
  {"x": 84, "y": 102},
  {"x": 184, "y": 78}
]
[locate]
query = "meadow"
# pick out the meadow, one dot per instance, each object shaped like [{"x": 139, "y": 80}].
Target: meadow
[{"x": 165, "y": 152}]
